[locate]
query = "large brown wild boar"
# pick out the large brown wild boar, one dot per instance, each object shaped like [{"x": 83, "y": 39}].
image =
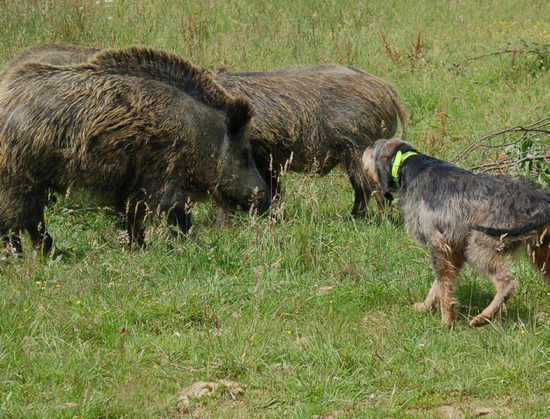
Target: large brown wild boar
[
  {"x": 141, "y": 127},
  {"x": 320, "y": 116},
  {"x": 316, "y": 118}
]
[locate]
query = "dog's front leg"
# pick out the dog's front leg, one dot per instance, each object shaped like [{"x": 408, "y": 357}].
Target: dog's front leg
[
  {"x": 431, "y": 301},
  {"x": 446, "y": 265},
  {"x": 447, "y": 300}
]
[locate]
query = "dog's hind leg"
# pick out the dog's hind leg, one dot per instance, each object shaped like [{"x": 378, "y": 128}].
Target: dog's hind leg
[
  {"x": 506, "y": 286},
  {"x": 489, "y": 261}
]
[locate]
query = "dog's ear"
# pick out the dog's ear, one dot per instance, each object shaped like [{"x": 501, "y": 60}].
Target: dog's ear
[
  {"x": 384, "y": 155},
  {"x": 383, "y": 170}
]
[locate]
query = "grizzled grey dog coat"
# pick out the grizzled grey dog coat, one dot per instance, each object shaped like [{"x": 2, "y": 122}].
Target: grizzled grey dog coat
[{"x": 463, "y": 217}]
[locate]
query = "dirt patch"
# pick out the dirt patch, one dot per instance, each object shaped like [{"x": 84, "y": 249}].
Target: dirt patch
[
  {"x": 324, "y": 290},
  {"x": 223, "y": 390},
  {"x": 451, "y": 412},
  {"x": 474, "y": 409}
]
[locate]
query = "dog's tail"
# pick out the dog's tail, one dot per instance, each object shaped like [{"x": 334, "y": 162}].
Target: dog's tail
[
  {"x": 403, "y": 118},
  {"x": 518, "y": 233},
  {"x": 537, "y": 235}
]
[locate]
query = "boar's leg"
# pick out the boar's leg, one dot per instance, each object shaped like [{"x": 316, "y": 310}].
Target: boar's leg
[
  {"x": 175, "y": 205},
  {"x": 270, "y": 172},
  {"x": 12, "y": 243},
  {"x": 177, "y": 210},
  {"x": 362, "y": 194},
  {"x": 26, "y": 213},
  {"x": 134, "y": 215},
  {"x": 362, "y": 188},
  {"x": 39, "y": 237},
  {"x": 180, "y": 217},
  {"x": 359, "y": 183},
  {"x": 275, "y": 186}
]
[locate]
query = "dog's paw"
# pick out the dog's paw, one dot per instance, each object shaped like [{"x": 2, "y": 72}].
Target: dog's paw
[
  {"x": 479, "y": 321},
  {"x": 420, "y": 307},
  {"x": 448, "y": 319}
]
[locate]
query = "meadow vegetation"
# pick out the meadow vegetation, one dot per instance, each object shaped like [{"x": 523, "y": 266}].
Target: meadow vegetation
[{"x": 310, "y": 313}]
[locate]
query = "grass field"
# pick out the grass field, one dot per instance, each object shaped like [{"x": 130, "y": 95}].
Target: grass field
[{"x": 311, "y": 315}]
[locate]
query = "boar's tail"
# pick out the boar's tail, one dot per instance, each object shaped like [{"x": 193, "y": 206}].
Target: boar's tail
[
  {"x": 239, "y": 113},
  {"x": 519, "y": 233},
  {"x": 403, "y": 119}
]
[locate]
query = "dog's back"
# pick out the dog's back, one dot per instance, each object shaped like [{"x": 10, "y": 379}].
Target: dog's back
[{"x": 501, "y": 203}]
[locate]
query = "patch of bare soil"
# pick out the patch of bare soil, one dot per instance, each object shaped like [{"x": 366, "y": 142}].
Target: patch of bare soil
[
  {"x": 223, "y": 390},
  {"x": 454, "y": 412}
]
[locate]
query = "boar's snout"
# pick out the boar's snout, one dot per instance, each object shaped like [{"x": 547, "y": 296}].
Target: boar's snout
[{"x": 245, "y": 193}]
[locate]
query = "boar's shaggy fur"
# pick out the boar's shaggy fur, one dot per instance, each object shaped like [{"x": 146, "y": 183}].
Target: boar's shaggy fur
[
  {"x": 316, "y": 118},
  {"x": 54, "y": 54},
  {"x": 319, "y": 116},
  {"x": 141, "y": 127}
]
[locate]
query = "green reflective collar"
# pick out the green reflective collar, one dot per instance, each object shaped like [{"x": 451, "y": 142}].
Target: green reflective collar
[{"x": 398, "y": 161}]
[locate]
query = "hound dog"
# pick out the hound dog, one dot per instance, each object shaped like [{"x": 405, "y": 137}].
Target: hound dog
[{"x": 463, "y": 217}]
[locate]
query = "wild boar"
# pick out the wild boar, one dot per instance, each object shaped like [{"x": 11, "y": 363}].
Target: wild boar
[
  {"x": 141, "y": 127},
  {"x": 306, "y": 119},
  {"x": 315, "y": 118}
]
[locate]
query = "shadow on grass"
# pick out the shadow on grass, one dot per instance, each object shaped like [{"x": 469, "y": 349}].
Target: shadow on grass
[{"x": 473, "y": 298}]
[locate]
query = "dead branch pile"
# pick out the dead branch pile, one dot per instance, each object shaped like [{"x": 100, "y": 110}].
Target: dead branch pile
[{"x": 526, "y": 146}]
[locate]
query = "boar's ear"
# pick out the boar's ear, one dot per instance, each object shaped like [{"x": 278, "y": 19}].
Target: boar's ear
[{"x": 239, "y": 113}]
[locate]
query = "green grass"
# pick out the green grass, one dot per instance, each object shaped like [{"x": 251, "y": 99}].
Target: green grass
[{"x": 105, "y": 332}]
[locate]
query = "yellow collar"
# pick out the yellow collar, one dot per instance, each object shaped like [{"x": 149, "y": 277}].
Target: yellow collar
[{"x": 398, "y": 161}]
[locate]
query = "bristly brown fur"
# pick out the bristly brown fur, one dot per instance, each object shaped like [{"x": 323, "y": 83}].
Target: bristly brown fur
[
  {"x": 134, "y": 136},
  {"x": 320, "y": 116},
  {"x": 164, "y": 67},
  {"x": 54, "y": 54},
  {"x": 444, "y": 208}
]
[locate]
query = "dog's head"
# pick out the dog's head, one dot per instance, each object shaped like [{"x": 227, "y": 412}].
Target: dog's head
[{"x": 378, "y": 160}]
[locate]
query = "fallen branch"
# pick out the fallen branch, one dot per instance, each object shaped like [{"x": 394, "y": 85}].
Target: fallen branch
[
  {"x": 508, "y": 163},
  {"x": 529, "y": 47},
  {"x": 492, "y": 54},
  {"x": 536, "y": 127}
]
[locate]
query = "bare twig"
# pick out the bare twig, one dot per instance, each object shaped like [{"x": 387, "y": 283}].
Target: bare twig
[
  {"x": 501, "y": 52},
  {"x": 528, "y": 47},
  {"x": 536, "y": 127},
  {"x": 508, "y": 163}
]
